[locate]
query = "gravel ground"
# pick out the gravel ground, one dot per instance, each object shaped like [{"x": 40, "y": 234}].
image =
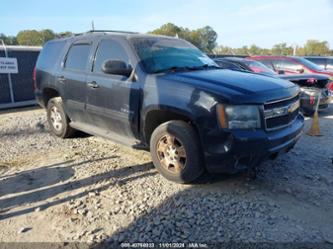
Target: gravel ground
[{"x": 89, "y": 189}]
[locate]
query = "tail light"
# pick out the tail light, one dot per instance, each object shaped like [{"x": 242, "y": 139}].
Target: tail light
[{"x": 34, "y": 83}]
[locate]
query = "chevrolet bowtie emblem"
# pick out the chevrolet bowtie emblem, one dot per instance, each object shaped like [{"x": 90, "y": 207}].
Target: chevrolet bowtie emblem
[{"x": 294, "y": 106}]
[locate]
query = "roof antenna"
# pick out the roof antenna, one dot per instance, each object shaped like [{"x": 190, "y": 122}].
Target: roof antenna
[{"x": 92, "y": 25}]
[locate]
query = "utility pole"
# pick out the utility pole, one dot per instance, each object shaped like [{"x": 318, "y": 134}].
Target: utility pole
[
  {"x": 92, "y": 25},
  {"x": 294, "y": 49}
]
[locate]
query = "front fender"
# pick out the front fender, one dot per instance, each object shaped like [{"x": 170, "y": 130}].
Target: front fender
[{"x": 196, "y": 105}]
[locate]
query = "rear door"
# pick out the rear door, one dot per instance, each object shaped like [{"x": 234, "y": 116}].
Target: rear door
[
  {"x": 113, "y": 103},
  {"x": 73, "y": 78}
]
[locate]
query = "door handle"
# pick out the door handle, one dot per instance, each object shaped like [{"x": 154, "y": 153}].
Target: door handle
[{"x": 93, "y": 84}]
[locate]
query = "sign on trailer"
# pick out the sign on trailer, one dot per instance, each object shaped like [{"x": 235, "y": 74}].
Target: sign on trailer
[{"x": 8, "y": 65}]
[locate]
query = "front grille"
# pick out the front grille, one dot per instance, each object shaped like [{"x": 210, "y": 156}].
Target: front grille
[
  {"x": 280, "y": 103},
  {"x": 279, "y": 114}
]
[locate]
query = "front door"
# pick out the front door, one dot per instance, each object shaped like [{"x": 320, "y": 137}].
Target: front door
[{"x": 112, "y": 100}]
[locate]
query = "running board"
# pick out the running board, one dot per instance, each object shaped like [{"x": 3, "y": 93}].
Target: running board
[{"x": 93, "y": 130}]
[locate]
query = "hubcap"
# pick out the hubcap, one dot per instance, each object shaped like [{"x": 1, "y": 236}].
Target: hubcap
[
  {"x": 56, "y": 119},
  {"x": 171, "y": 153}
]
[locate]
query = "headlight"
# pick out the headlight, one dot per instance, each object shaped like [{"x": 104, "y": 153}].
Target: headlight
[{"x": 239, "y": 116}]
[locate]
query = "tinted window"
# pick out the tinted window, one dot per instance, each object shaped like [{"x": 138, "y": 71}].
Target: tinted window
[
  {"x": 321, "y": 62},
  {"x": 109, "y": 50},
  {"x": 258, "y": 67},
  {"x": 50, "y": 54},
  {"x": 159, "y": 54},
  {"x": 287, "y": 65},
  {"x": 267, "y": 63},
  {"x": 309, "y": 64},
  {"x": 329, "y": 65},
  {"x": 228, "y": 65},
  {"x": 77, "y": 57}
]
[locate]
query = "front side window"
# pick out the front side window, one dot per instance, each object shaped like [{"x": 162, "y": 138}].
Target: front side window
[
  {"x": 77, "y": 57},
  {"x": 158, "y": 54},
  {"x": 109, "y": 50}
]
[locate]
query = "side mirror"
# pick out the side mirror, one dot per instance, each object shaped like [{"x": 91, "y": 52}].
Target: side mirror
[
  {"x": 281, "y": 72},
  {"x": 300, "y": 70},
  {"x": 117, "y": 67}
]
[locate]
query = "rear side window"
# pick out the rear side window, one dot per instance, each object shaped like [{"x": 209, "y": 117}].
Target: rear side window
[
  {"x": 319, "y": 61},
  {"x": 109, "y": 50},
  {"x": 50, "y": 54},
  {"x": 267, "y": 63},
  {"x": 77, "y": 57},
  {"x": 329, "y": 65},
  {"x": 286, "y": 65}
]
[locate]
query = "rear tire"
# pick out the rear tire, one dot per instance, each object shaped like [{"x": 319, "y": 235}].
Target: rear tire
[
  {"x": 176, "y": 152},
  {"x": 58, "y": 120}
]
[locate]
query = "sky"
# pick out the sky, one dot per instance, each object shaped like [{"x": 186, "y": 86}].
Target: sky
[{"x": 237, "y": 22}]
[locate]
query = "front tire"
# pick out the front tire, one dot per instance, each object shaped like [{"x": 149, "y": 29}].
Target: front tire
[
  {"x": 176, "y": 152},
  {"x": 57, "y": 119}
]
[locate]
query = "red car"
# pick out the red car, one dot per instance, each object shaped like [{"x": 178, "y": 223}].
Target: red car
[{"x": 292, "y": 65}]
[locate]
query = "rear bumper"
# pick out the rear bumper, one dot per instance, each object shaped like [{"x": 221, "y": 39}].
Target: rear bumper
[
  {"x": 240, "y": 147},
  {"x": 308, "y": 105}
]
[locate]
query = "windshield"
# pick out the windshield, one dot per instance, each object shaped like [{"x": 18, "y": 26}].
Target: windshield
[
  {"x": 258, "y": 67},
  {"x": 309, "y": 64},
  {"x": 162, "y": 54}
]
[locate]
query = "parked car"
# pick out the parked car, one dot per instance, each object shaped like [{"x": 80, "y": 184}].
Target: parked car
[
  {"x": 324, "y": 62},
  {"x": 292, "y": 65},
  {"x": 164, "y": 94},
  {"x": 308, "y": 82}
]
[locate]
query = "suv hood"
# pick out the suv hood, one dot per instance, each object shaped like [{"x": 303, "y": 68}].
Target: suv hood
[{"x": 237, "y": 86}]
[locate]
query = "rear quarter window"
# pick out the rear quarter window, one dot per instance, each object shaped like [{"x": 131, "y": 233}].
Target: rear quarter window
[
  {"x": 77, "y": 57},
  {"x": 50, "y": 54}
]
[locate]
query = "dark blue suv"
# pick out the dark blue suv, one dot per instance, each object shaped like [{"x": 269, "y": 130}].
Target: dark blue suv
[{"x": 165, "y": 95}]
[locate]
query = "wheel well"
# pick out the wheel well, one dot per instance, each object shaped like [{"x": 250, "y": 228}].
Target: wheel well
[
  {"x": 155, "y": 118},
  {"x": 49, "y": 93}
]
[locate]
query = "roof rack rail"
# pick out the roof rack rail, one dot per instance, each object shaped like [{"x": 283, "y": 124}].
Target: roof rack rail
[{"x": 111, "y": 31}]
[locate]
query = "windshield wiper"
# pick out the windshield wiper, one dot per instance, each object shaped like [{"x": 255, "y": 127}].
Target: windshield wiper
[
  {"x": 172, "y": 69},
  {"x": 187, "y": 68},
  {"x": 205, "y": 66}
]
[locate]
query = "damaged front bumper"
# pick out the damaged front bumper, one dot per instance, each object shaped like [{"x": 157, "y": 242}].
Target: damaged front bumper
[{"x": 240, "y": 149}]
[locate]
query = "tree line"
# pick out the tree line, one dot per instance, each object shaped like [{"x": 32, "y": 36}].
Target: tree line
[
  {"x": 33, "y": 37},
  {"x": 204, "y": 38}
]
